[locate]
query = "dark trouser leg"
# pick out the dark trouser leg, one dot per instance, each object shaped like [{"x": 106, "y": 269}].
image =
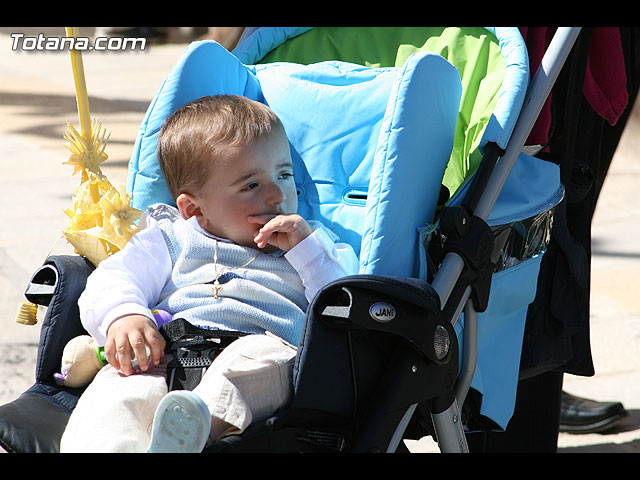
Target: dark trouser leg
[{"x": 534, "y": 425}]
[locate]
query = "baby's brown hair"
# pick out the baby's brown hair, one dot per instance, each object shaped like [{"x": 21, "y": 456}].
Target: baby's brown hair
[{"x": 197, "y": 133}]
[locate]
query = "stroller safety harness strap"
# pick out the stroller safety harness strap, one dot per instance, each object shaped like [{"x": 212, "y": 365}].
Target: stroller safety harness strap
[{"x": 193, "y": 349}]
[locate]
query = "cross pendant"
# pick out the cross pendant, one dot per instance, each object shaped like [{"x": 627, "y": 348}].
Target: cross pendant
[{"x": 216, "y": 289}]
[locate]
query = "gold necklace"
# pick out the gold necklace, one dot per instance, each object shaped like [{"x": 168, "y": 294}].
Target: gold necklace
[{"x": 216, "y": 283}]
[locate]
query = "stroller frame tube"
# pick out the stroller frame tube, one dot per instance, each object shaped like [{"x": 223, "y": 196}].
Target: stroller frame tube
[
  {"x": 470, "y": 353},
  {"x": 448, "y": 425}
]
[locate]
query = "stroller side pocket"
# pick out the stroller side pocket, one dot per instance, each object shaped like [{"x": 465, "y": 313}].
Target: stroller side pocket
[{"x": 500, "y": 336}]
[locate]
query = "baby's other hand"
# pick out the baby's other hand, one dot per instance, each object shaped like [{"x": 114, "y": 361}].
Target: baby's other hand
[{"x": 281, "y": 231}]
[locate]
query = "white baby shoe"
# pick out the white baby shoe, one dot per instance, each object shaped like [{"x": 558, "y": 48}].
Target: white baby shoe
[{"x": 181, "y": 424}]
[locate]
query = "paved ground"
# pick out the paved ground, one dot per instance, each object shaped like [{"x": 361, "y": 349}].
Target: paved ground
[{"x": 37, "y": 98}]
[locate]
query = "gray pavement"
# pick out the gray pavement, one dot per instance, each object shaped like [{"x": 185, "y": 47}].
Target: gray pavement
[{"x": 37, "y": 97}]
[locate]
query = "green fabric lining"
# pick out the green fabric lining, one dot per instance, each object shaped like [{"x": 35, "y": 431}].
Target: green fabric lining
[{"x": 474, "y": 51}]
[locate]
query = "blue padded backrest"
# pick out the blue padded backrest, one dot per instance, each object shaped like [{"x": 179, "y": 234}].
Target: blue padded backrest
[
  {"x": 369, "y": 145},
  {"x": 413, "y": 150},
  {"x": 374, "y": 144},
  {"x": 332, "y": 113}
]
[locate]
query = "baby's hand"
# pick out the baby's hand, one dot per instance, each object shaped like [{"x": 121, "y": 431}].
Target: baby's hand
[
  {"x": 126, "y": 339},
  {"x": 281, "y": 231}
]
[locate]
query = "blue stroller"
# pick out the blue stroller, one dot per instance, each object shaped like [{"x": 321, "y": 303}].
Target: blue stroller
[{"x": 408, "y": 144}]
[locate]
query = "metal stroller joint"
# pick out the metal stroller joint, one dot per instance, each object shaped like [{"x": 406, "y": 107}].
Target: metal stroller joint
[{"x": 470, "y": 237}]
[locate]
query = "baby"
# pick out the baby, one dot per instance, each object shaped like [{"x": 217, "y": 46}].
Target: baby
[{"x": 235, "y": 255}]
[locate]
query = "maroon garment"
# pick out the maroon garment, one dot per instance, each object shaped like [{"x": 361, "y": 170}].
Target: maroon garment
[
  {"x": 605, "y": 78},
  {"x": 605, "y": 83}
]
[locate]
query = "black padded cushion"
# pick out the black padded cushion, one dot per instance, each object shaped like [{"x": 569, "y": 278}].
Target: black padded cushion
[
  {"x": 32, "y": 424},
  {"x": 35, "y": 421}
]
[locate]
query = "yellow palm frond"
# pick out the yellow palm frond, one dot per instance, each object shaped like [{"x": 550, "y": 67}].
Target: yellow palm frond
[
  {"x": 87, "y": 153},
  {"x": 102, "y": 220}
]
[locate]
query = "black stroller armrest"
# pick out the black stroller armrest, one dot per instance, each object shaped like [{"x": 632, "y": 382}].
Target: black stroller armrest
[
  {"x": 34, "y": 422},
  {"x": 57, "y": 285},
  {"x": 406, "y": 307},
  {"x": 372, "y": 347}
]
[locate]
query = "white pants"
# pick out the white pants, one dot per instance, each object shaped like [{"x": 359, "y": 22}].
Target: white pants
[{"x": 247, "y": 382}]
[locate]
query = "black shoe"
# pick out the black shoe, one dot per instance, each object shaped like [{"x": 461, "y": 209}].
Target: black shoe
[{"x": 580, "y": 415}]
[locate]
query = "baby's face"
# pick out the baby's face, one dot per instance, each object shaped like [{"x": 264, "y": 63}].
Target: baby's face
[{"x": 252, "y": 180}]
